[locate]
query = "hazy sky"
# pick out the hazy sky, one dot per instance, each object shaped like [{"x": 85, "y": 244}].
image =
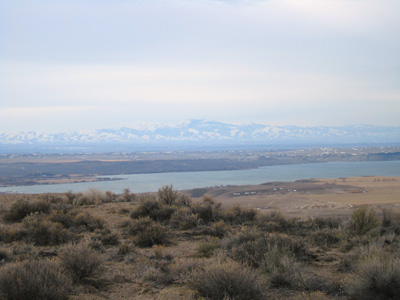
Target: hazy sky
[{"x": 68, "y": 64}]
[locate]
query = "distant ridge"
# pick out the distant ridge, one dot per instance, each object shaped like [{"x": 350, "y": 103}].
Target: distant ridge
[{"x": 205, "y": 132}]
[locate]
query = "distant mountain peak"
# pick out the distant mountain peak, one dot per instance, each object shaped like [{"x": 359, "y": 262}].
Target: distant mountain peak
[{"x": 210, "y": 132}]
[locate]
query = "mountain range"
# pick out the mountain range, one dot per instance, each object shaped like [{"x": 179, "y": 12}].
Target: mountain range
[{"x": 203, "y": 132}]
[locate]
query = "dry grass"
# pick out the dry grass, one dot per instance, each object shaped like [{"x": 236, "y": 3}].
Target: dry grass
[{"x": 175, "y": 247}]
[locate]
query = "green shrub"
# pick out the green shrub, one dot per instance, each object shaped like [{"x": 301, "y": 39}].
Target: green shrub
[
  {"x": 23, "y": 208},
  {"x": 147, "y": 232},
  {"x": 376, "y": 278},
  {"x": 80, "y": 261},
  {"x": 34, "y": 280},
  {"x": 239, "y": 215},
  {"x": 227, "y": 280},
  {"x": 363, "y": 219}
]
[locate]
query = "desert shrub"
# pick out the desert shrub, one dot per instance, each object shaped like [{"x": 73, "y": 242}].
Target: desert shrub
[
  {"x": 390, "y": 222},
  {"x": 125, "y": 248},
  {"x": 310, "y": 281},
  {"x": 177, "y": 294},
  {"x": 221, "y": 280},
  {"x": 181, "y": 268},
  {"x": 312, "y": 296},
  {"x": 281, "y": 267},
  {"x": 71, "y": 197},
  {"x": 23, "y": 208},
  {"x": 251, "y": 245},
  {"x": 151, "y": 207},
  {"x": 183, "y": 218},
  {"x": 362, "y": 220},
  {"x": 326, "y": 237},
  {"x": 9, "y": 234},
  {"x": 126, "y": 196},
  {"x": 66, "y": 219},
  {"x": 5, "y": 255},
  {"x": 106, "y": 237},
  {"x": 147, "y": 232},
  {"x": 167, "y": 195},
  {"x": 91, "y": 197},
  {"x": 87, "y": 222},
  {"x": 272, "y": 221},
  {"x": 80, "y": 261},
  {"x": 208, "y": 210},
  {"x": 206, "y": 249},
  {"x": 239, "y": 215},
  {"x": 219, "y": 229},
  {"x": 327, "y": 222},
  {"x": 42, "y": 232},
  {"x": 376, "y": 278},
  {"x": 34, "y": 280}
]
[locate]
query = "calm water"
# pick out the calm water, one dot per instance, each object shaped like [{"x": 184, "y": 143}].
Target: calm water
[{"x": 138, "y": 183}]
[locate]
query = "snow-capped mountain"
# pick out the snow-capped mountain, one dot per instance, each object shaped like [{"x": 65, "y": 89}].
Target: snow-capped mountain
[{"x": 209, "y": 132}]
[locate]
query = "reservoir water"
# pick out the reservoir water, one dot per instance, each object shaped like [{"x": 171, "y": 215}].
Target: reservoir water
[{"x": 139, "y": 183}]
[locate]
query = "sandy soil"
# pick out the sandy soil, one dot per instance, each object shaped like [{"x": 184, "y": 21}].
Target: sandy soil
[{"x": 319, "y": 197}]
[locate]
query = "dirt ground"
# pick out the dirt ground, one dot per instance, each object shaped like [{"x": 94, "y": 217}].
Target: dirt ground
[{"x": 317, "y": 197}]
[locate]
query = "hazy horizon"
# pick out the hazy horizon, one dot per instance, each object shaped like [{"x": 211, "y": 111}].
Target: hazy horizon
[{"x": 78, "y": 65}]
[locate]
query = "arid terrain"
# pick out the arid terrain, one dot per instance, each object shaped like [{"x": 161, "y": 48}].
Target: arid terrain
[
  {"x": 303, "y": 240},
  {"x": 317, "y": 197}
]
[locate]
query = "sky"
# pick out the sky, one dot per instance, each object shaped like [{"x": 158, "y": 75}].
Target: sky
[{"x": 78, "y": 65}]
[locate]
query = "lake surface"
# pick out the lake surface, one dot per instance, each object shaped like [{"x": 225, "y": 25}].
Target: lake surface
[{"x": 139, "y": 183}]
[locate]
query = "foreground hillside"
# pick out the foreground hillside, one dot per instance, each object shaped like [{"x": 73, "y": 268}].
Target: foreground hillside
[{"x": 99, "y": 245}]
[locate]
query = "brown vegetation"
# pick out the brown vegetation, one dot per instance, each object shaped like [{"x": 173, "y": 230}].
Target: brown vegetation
[{"x": 97, "y": 245}]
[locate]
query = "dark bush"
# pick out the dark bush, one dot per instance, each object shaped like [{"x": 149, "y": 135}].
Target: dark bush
[
  {"x": 206, "y": 249},
  {"x": 272, "y": 221},
  {"x": 363, "y": 219},
  {"x": 81, "y": 262},
  {"x": 250, "y": 246},
  {"x": 376, "y": 278},
  {"x": 42, "y": 232},
  {"x": 239, "y": 215},
  {"x": 227, "y": 280},
  {"x": 326, "y": 237},
  {"x": 149, "y": 206},
  {"x": 167, "y": 195},
  {"x": 147, "y": 232},
  {"x": 208, "y": 211},
  {"x": 23, "y": 208},
  {"x": 183, "y": 218},
  {"x": 34, "y": 280},
  {"x": 87, "y": 222}
]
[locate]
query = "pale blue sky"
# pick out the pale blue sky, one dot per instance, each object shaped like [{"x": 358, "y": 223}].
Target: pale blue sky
[{"x": 68, "y": 65}]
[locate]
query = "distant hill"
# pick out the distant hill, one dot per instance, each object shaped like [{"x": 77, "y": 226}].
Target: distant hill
[{"x": 204, "y": 133}]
